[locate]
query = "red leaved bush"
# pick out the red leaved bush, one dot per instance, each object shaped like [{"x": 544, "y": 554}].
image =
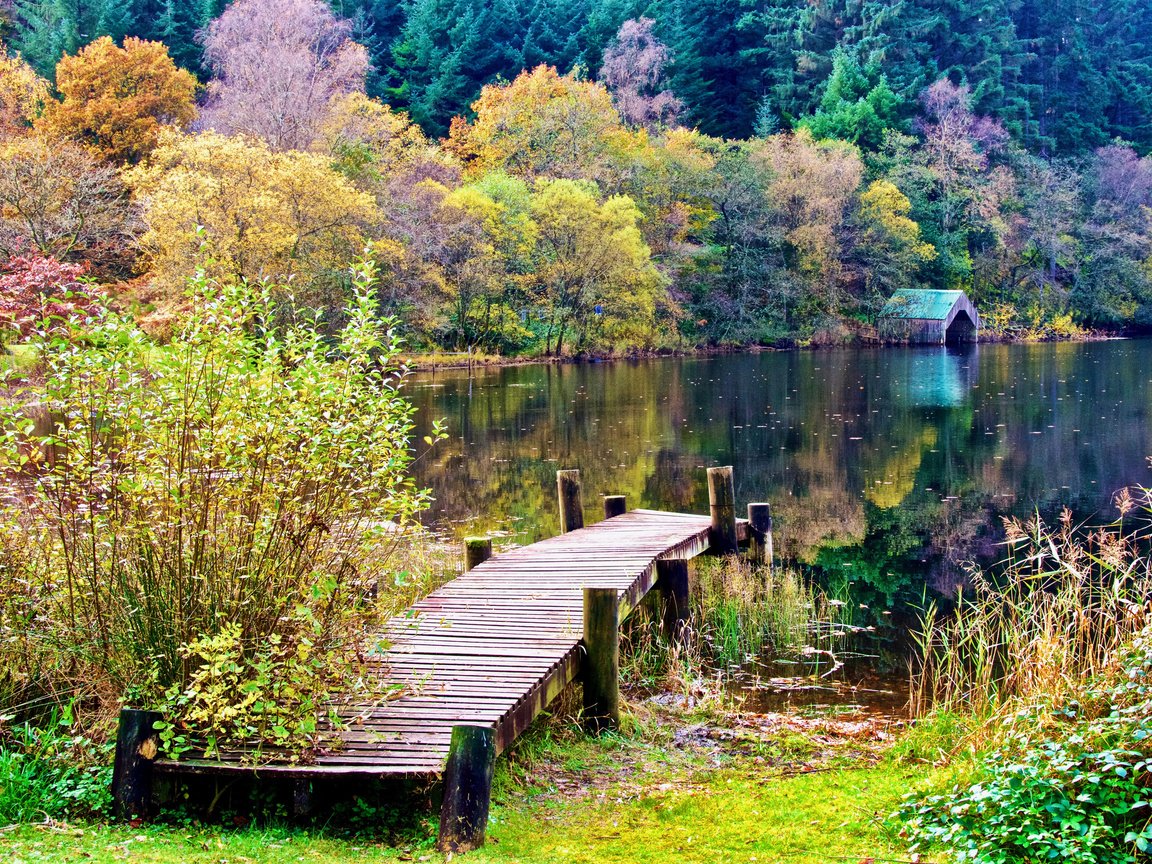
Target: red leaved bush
[{"x": 38, "y": 292}]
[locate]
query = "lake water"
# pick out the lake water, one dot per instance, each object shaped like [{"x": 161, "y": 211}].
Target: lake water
[{"x": 887, "y": 469}]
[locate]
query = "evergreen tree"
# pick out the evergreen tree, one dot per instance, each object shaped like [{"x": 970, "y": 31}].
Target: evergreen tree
[
  {"x": 430, "y": 73},
  {"x": 857, "y": 105},
  {"x": 716, "y": 45},
  {"x": 46, "y": 30},
  {"x": 116, "y": 19},
  {"x": 179, "y": 28}
]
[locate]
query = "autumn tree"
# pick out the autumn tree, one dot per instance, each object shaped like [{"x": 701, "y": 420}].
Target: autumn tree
[
  {"x": 116, "y": 100},
  {"x": 57, "y": 198},
  {"x": 888, "y": 247},
  {"x": 958, "y": 177},
  {"x": 369, "y": 140},
  {"x": 22, "y": 93},
  {"x": 262, "y": 213},
  {"x": 634, "y": 72},
  {"x": 1114, "y": 286},
  {"x": 594, "y": 273},
  {"x": 543, "y": 124},
  {"x": 810, "y": 186},
  {"x": 277, "y": 65},
  {"x": 490, "y": 291}
]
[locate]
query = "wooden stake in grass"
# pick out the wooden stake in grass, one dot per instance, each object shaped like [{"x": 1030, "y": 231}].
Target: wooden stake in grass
[
  {"x": 467, "y": 788},
  {"x": 722, "y": 503},
  {"x": 137, "y": 743},
  {"x": 602, "y": 659},
  {"x": 760, "y": 533},
  {"x": 571, "y": 508},
  {"x": 672, "y": 582},
  {"x": 477, "y": 550}
]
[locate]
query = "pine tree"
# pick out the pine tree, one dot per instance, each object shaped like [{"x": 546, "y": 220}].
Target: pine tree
[
  {"x": 179, "y": 29},
  {"x": 431, "y": 75},
  {"x": 116, "y": 19},
  {"x": 46, "y": 30},
  {"x": 716, "y": 46}
]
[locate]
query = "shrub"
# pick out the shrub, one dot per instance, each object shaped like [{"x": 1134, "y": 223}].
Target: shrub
[
  {"x": 38, "y": 292},
  {"x": 1068, "y": 782},
  {"x": 241, "y": 483}
]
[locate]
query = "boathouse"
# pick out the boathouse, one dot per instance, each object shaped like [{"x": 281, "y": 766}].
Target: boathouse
[{"x": 924, "y": 317}]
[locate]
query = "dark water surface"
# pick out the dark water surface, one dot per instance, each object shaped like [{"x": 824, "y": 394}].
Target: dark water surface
[{"x": 887, "y": 469}]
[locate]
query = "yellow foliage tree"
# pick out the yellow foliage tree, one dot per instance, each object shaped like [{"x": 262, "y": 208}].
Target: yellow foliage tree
[
  {"x": 886, "y": 208},
  {"x": 22, "y": 93},
  {"x": 368, "y": 139},
  {"x": 263, "y": 213},
  {"x": 543, "y": 124},
  {"x": 489, "y": 290},
  {"x": 595, "y": 274},
  {"x": 116, "y": 100}
]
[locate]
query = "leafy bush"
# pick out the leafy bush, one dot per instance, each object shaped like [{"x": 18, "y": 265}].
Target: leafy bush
[
  {"x": 1069, "y": 783},
  {"x": 38, "y": 292},
  {"x": 53, "y": 771},
  {"x": 243, "y": 482}
]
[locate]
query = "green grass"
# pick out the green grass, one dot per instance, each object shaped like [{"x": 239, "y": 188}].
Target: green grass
[
  {"x": 730, "y": 816},
  {"x": 19, "y": 358}
]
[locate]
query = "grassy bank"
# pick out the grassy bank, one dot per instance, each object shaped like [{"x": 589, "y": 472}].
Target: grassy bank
[
  {"x": 745, "y": 788},
  {"x": 808, "y": 820}
]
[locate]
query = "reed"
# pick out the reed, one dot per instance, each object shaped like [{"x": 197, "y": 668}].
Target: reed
[
  {"x": 1053, "y": 615},
  {"x": 741, "y": 611}
]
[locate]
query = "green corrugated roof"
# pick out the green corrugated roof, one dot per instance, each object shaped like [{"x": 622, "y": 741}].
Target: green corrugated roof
[{"x": 918, "y": 303}]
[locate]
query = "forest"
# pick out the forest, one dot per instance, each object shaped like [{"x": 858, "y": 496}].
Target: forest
[{"x": 544, "y": 178}]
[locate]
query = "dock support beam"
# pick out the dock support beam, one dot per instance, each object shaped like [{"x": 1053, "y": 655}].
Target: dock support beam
[
  {"x": 722, "y": 503},
  {"x": 571, "y": 508},
  {"x": 602, "y": 660},
  {"x": 477, "y": 550},
  {"x": 760, "y": 533},
  {"x": 467, "y": 788},
  {"x": 137, "y": 743},
  {"x": 615, "y": 505},
  {"x": 675, "y": 601}
]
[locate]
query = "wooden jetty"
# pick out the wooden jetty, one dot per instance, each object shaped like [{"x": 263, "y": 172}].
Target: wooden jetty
[{"x": 481, "y": 657}]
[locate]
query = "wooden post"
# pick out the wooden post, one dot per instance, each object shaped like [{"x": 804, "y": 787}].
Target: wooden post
[
  {"x": 602, "y": 659},
  {"x": 477, "y": 550},
  {"x": 137, "y": 743},
  {"x": 760, "y": 533},
  {"x": 571, "y": 509},
  {"x": 675, "y": 601},
  {"x": 467, "y": 788},
  {"x": 301, "y": 798},
  {"x": 615, "y": 505},
  {"x": 722, "y": 503}
]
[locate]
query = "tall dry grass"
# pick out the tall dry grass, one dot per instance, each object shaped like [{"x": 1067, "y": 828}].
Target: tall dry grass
[{"x": 1055, "y": 614}]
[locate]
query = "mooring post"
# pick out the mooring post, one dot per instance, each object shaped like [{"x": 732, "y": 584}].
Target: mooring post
[
  {"x": 301, "y": 798},
  {"x": 760, "y": 533},
  {"x": 722, "y": 502},
  {"x": 571, "y": 508},
  {"x": 615, "y": 505},
  {"x": 675, "y": 600},
  {"x": 602, "y": 659},
  {"x": 477, "y": 550},
  {"x": 137, "y": 743},
  {"x": 467, "y": 788}
]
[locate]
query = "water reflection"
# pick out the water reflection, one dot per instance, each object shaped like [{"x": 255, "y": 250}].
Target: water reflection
[{"x": 886, "y": 468}]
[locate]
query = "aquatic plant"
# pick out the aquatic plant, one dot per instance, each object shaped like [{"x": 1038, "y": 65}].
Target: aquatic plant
[{"x": 1053, "y": 615}]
